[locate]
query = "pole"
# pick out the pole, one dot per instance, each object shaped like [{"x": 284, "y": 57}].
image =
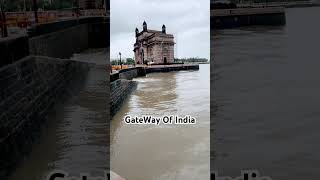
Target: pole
[
  {"x": 4, "y": 30},
  {"x": 120, "y": 60},
  {"x": 24, "y": 6},
  {"x": 35, "y": 9},
  {"x": 1, "y": 24},
  {"x": 162, "y": 52},
  {"x": 107, "y": 5},
  {"x": 107, "y": 8}
]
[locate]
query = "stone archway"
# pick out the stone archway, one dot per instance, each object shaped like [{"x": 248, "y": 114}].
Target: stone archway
[{"x": 165, "y": 61}]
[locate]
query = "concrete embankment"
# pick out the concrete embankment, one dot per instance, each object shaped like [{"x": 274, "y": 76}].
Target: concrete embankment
[
  {"x": 30, "y": 87},
  {"x": 231, "y": 18},
  {"x": 122, "y": 84}
]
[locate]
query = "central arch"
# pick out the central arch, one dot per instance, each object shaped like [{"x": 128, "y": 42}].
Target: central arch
[{"x": 165, "y": 60}]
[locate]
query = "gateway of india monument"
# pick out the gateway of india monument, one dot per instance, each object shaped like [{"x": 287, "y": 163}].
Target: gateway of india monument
[{"x": 155, "y": 47}]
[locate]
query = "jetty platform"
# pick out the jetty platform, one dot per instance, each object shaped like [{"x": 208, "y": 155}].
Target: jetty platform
[
  {"x": 173, "y": 67},
  {"x": 231, "y": 18}
]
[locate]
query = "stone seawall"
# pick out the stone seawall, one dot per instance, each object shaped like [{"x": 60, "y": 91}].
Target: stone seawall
[
  {"x": 61, "y": 44},
  {"x": 120, "y": 89},
  {"x": 128, "y": 74},
  {"x": 12, "y": 49},
  {"x": 121, "y": 85},
  {"x": 57, "y": 39},
  {"x": 76, "y": 35},
  {"x": 30, "y": 87}
]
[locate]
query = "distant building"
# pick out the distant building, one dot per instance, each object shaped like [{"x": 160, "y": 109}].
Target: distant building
[
  {"x": 153, "y": 46},
  {"x": 91, "y": 4}
]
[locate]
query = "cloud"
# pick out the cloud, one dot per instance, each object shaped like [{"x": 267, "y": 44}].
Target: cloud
[{"x": 187, "y": 20}]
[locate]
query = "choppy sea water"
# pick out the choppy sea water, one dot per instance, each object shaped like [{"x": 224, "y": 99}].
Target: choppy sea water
[
  {"x": 147, "y": 152},
  {"x": 265, "y": 98}
]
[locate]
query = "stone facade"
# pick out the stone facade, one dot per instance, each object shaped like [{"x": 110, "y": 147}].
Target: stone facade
[{"x": 153, "y": 46}]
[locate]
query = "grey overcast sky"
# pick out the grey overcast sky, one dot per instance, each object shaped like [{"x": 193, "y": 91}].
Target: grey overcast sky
[{"x": 187, "y": 20}]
